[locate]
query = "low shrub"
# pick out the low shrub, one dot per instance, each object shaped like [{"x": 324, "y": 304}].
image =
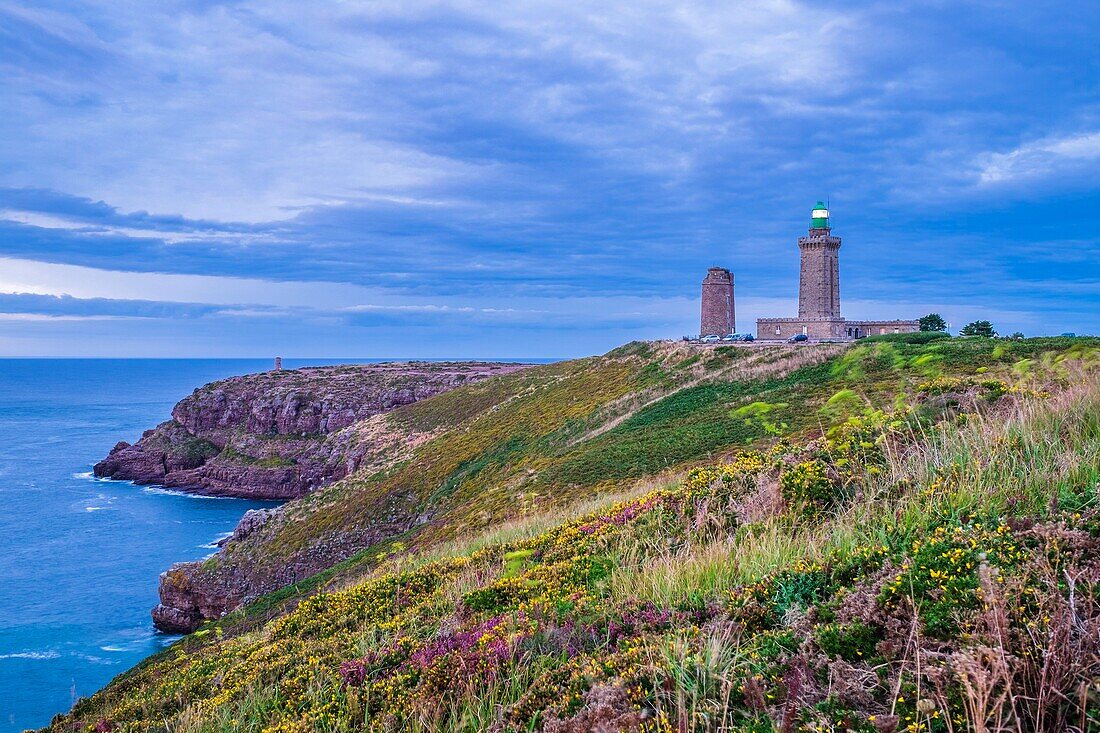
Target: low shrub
[
  {"x": 919, "y": 337},
  {"x": 808, "y": 487},
  {"x": 854, "y": 642}
]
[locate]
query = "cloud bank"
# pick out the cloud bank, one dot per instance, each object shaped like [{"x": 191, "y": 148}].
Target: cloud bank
[{"x": 425, "y": 178}]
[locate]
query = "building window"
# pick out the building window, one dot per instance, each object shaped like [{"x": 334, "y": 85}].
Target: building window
[{"x": 777, "y": 330}]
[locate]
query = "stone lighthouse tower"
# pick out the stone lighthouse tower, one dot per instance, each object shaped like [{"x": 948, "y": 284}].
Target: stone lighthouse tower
[
  {"x": 819, "y": 294},
  {"x": 717, "y": 315},
  {"x": 819, "y": 276}
]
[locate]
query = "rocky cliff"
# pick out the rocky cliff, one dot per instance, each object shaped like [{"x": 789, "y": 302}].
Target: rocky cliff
[
  {"x": 280, "y": 434},
  {"x": 275, "y": 435}
]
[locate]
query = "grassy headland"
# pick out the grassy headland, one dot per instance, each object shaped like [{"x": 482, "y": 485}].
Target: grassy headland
[{"x": 883, "y": 537}]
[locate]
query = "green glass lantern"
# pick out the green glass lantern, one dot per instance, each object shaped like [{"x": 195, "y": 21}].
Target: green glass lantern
[{"x": 819, "y": 217}]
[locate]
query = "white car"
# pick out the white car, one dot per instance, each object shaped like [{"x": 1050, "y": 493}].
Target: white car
[{"x": 711, "y": 339}]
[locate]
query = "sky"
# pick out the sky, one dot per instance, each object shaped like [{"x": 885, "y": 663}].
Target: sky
[{"x": 417, "y": 178}]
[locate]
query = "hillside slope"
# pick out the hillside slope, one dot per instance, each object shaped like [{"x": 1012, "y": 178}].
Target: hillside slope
[
  {"x": 493, "y": 451},
  {"x": 918, "y": 553}
]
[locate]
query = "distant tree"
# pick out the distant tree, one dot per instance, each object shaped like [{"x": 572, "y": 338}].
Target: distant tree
[
  {"x": 1016, "y": 336},
  {"x": 978, "y": 328},
  {"x": 932, "y": 322}
]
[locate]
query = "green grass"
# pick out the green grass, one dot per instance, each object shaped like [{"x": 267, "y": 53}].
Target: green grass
[
  {"x": 198, "y": 450},
  {"x": 920, "y": 337},
  {"x": 756, "y": 586},
  {"x": 548, "y": 436}
]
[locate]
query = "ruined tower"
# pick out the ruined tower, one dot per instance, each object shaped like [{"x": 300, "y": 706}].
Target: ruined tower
[
  {"x": 717, "y": 315},
  {"x": 819, "y": 276}
]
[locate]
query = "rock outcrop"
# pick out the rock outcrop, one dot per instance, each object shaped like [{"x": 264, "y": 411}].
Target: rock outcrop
[
  {"x": 192, "y": 593},
  {"x": 281, "y": 434},
  {"x": 275, "y": 435}
]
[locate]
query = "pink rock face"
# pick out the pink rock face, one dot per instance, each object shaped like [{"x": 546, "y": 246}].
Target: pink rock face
[{"x": 267, "y": 436}]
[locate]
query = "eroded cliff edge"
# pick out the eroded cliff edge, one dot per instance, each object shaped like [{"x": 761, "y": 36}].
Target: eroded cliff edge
[
  {"x": 280, "y": 434},
  {"x": 276, "y": 435}
]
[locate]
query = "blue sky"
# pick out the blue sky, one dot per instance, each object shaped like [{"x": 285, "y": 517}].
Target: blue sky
[{"x": 426, "y": 179}]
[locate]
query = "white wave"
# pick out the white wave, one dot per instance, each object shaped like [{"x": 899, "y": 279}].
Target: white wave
[
  {"x": 31, "y": 655},
  {"x": 213, "y": 544},
  {"x": 85, "y": 475},
  {"x": 112, "y": 648},
  {"x": 174, "y": 492},
  {"x": 97, "y": 660},
  {"x": 102, "y": 501}
]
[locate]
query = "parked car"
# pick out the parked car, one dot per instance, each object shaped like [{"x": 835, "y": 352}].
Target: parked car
[
  {"x": 731, "y": 337},
  {"x": 797, "y": 338},
  {"x": 745, "y": 337},
  {"x": 711, "y": 339}
]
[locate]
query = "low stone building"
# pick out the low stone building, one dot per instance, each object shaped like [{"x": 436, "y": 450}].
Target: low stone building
[
  {"x": 839, "y": 329},
  {"x": 819, "y": 294}
]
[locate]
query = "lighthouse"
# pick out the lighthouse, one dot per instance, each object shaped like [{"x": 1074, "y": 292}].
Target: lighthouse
[
  {"x": 819, "y": 316},
  {"x": 819, "y": 274},
  {"x": 819, "y": 217}
]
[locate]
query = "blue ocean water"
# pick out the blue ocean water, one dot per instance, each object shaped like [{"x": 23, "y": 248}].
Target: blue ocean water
[{"x": 79, "y": 558}]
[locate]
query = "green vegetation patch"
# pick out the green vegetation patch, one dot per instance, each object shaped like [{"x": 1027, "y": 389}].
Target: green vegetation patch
[
  {"x": 920, "y": 337},
  {"x": 711, "y": 603}
]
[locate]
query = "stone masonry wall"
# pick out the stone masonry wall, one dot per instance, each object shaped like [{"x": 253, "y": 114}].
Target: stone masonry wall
[
  {"x": 774, "y": 329},
  {"x": 859, "y": 329},
  {"x": 717, "y": 309},
  {"x": 819, "y": 276}
]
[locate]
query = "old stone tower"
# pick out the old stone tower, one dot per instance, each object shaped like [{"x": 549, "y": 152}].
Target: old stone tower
[
  {"x": 717, "y": 311},
  {"x": 819, "y": 275}
]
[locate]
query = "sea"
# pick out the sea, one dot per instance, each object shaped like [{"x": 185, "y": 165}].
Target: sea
[{"x": 80, "y": 556}]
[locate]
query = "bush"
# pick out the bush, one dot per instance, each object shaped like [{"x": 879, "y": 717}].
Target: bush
[
  {"x": 940, "y": 578},
  {"x": 853, "y": 642},
  {"x": 198, "y": 450},
  {"x": 932, "y": 322},
  {"x": 920, "y": 337},
  {"x": 978, "y": 328},
  {"x": 515, "y": 562},
  {"x": 503, "y": 595},
  {"x": 807, "y": 485}
]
